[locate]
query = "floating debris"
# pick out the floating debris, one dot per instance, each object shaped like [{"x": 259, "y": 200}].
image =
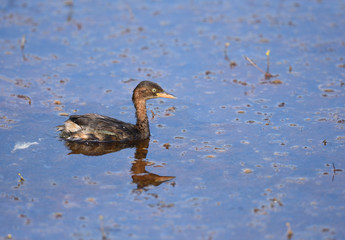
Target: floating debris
[
  {"x": 104, "y": 236},
  {"x": 68, "y": 3},
  {"x": 22, "y": 42},
  {"x": 21, "y": 180},
  {"x": 22, "y": 46},
  {"x": 335, "y": 170},
  {"x": 276, "y": 81},
  {"x": 22, "y": 145},
  {"x": 152, "y": 114},
  {"x": 91, "y": 200},
  {"x": 289, "y": 232},
  {"x": 267, "y": 74},
  {"x": 57, "y": 215},
  {"x": 6, "y": 79},
  {"x": 26, "y": 98},
  {"x": 171, "y": 109},
  {"x": 247, "y": 170},
  {"x": 166, "y": 145},
  {"x": 240, "y": 82},
  {"x": 232, "y": 64}
]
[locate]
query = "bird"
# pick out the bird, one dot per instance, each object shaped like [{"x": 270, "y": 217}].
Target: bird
[{"x": 93, "y": 127}]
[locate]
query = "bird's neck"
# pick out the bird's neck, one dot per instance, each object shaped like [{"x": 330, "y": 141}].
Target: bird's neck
[{"x": 142, "y": 119}]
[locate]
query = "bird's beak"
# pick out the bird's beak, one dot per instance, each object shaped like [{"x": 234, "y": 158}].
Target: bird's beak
[{"x": 165, "y": 95}]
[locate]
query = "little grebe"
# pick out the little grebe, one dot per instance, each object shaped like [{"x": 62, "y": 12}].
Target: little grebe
[{"x": 98, "y": 128}]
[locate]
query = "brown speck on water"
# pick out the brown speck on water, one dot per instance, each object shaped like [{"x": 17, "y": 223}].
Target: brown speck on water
[
  {"x": 328, "y": 90},
  {"x": 281, "y": 104},
  {"x": 232, "y": 64},
  {"x": 91, "y": 200},
  {"x": 57, "y": 215},
  {"x": 276, "y": 82},
  {"x": 166, "y": 145},
  {"x": 37, "y": 58},
  {"x": 260, "y": 211},
  {"x": 240, "y": 82},
  {"x": 179, "y": 137},
  {"x": 247, "y": 170},
  {"x": 79, "y": 26},
  {"x": 208, "y": 72},
  {"x": 171, "y": 109}
]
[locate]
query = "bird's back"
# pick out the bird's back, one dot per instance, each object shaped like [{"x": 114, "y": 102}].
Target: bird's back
[{"x": 95, "y": 127}]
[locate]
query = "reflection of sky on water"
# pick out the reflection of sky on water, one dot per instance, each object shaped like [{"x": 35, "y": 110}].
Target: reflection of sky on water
[{"x": 248, "y": 155}]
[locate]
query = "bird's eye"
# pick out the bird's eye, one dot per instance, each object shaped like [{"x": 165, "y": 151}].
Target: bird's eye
[{"x": 154, "y": 90}]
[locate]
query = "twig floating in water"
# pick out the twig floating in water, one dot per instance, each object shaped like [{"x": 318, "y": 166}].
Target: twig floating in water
[
  {"x": 335, "y": 170},
  {"x": 226, "y": 56},
  {"x": 21, "y": 180},
  {"x": 153, "y": 114},
  {"x": 268, "y": 75},
  {"x": 268, "y": 61},
  {"x": 22, "y": 42},
  {"x": 104, "y": 236},
  {"x": 6, "y": 79},
  {"x": 289, "y": 232},
  {"x": 253, "y": 64},
  {"x": 24, "y": 97},
  {"x": 22, "y": 46}
]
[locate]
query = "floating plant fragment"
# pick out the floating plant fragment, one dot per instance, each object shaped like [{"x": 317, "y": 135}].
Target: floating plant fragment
[
  {"x": 23, "y": 145},
  {"x": 267, "y": 74}
]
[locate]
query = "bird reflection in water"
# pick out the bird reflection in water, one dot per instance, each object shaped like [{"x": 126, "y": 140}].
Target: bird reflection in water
[{"x": 140, "y": 176}]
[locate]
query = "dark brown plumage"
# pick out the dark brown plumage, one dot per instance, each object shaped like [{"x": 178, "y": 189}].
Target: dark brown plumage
[{"x": 99, "y": 128}]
